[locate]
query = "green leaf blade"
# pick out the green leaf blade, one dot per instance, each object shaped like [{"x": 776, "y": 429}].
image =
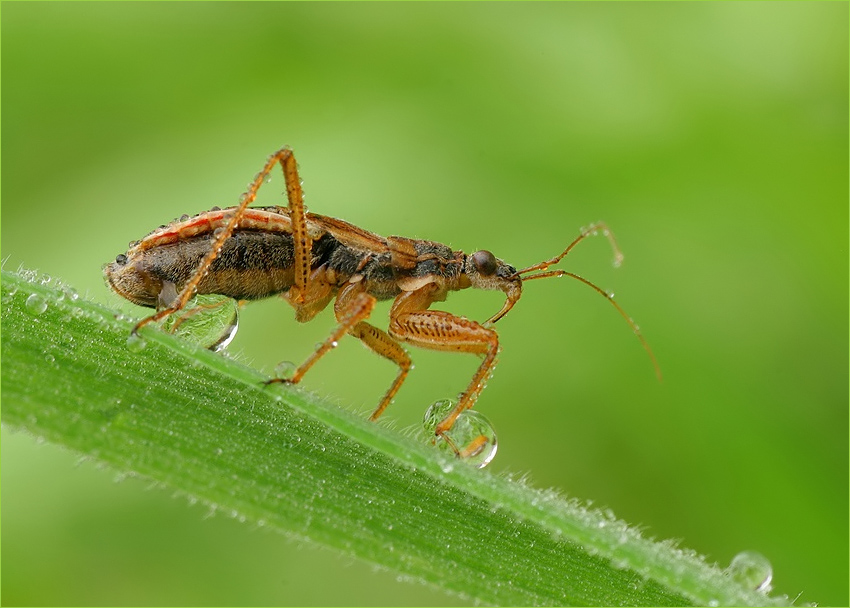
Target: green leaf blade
[{"x": 206, "y": 426}]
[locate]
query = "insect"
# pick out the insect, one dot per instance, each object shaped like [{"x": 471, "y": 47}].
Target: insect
[{"x": 248, "y": 253}]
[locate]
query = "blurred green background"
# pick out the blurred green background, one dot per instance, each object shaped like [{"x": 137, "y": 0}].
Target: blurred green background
[{"x": 712, "y": 137}]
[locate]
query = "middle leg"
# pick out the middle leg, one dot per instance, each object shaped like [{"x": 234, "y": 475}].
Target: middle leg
[
  {"x": 377, "y": 340},
  {"x": 352, "y": 307}
]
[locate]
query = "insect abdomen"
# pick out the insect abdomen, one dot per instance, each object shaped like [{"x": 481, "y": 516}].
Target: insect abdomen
[{"x": 251, "y": 265}]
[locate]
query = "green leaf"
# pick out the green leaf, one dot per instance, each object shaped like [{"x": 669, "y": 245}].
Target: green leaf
[{"x": 280, "y": 457}]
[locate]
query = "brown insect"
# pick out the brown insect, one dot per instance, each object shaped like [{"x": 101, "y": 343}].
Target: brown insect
[{"x": 251, "y": 253}]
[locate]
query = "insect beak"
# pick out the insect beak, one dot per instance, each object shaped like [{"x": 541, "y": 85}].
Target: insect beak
[
  {"x": 513, "y": 291},
  {"x": 512, "y": 286}
]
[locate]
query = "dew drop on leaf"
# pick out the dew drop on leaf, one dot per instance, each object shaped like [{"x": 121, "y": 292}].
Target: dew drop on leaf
[
  {"x": 284, "y": 370},
  {"x": 209, "y": 320},
  {"x": 751, "y": 569},
  {"x": 436, "y": 412},
  {"x": 471, "y": 438},
  {"x": 136, "y": 343},
  {"x": 36, "y": 304}
]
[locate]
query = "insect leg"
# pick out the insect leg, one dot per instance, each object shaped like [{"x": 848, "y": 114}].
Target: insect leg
[
  {"x": 381, "y": 343},
  {"x": 303, "y": 244},
  {"x": 320, "y": 291},
  {"x": 410, "y": 321},
  {"x": 358, "y": 306},
  {"x": 353, "y": 305},
  {"x": 377, "y": 340}
]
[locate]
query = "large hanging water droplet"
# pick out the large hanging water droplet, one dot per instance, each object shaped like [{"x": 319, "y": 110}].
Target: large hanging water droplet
[
  {"x": 471, "y": 438},
  {"x": 751, "y": 569},
  {"x": 36, "y": 304},
  {"x": 209, "y": 320}
]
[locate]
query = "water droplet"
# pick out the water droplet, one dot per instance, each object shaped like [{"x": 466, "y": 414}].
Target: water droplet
[
  {"x": 284, "y": 370},
  {"x": 49, "y": 358},
  {"x": 9, "y": 292},
  {"x": 618, "y": 261},
  {"x": 228, "y": 335},
  {"x": 436, "y": 412},
  {"x": 36, "y": 304},
  {"x": 751, "y": 569},
  {"x": 136, "y": 343},
  {"x": 209, "y": 320},
  {"x": 471, "y": 437}
]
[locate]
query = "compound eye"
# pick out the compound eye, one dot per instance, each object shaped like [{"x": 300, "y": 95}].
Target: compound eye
[
  {"x": 485, "y": 262},
  {"x": 121, "y": 259}
]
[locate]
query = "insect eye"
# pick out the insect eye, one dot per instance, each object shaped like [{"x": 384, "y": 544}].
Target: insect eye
[
  {"x": 121, "y": 259},
  {"x": 485, "y": 262}
]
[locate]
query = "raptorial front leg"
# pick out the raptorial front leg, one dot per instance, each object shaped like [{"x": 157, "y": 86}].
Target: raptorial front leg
[{"x": 439, "y": 330}]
